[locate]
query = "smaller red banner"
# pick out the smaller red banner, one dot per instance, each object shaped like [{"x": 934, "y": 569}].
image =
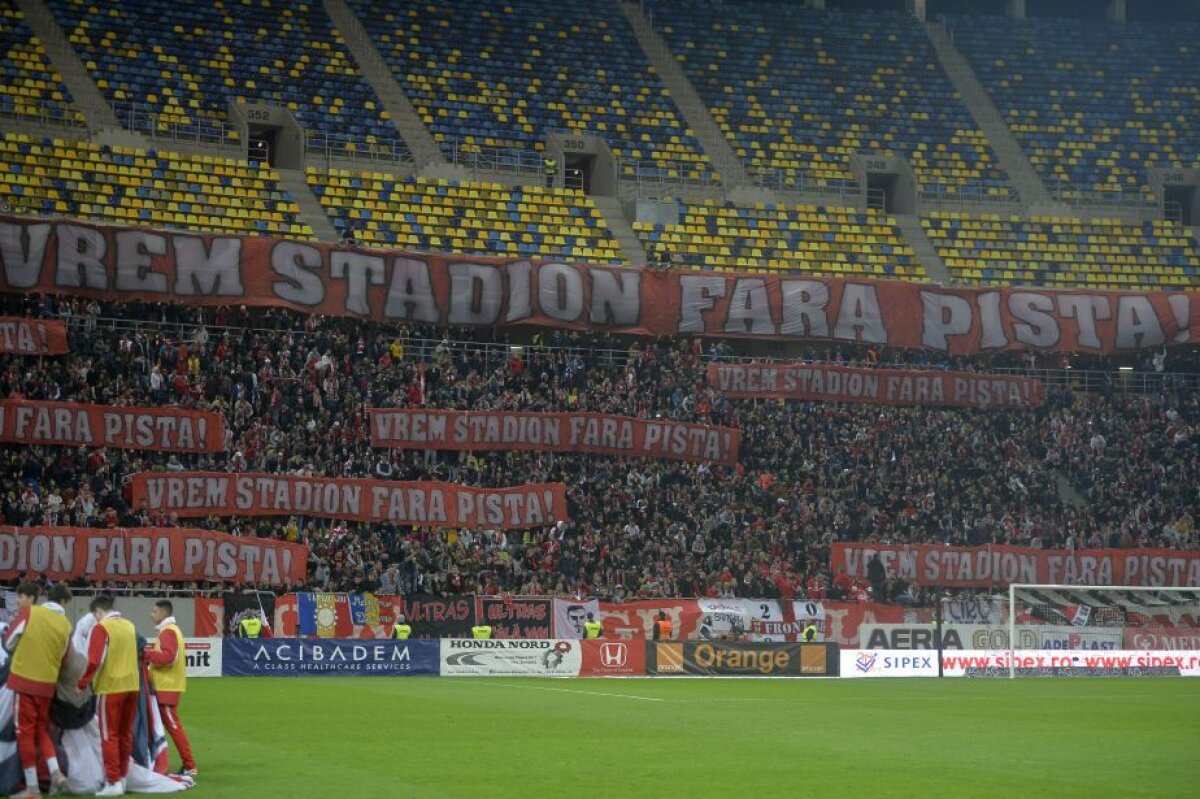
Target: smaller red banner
[
  {"x": 20, "y": 336},
  {"x": 829, "y": 383},
  {"x": 552, "y": 432},
  {"x": 71, "y": 424},
  {"x": 419, "y": 503},
  {"x": 148, "y": 553}
]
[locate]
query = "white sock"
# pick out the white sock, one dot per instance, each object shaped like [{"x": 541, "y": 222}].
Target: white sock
[
  {"x": 52, "y": 764},
  {"x": 31, "y": 779}
]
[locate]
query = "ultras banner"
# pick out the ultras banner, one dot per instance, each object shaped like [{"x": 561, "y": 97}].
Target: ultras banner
[
  {"x": 73, "y": 424},
  {"x": 76, "y": 258},
  {"x": 999, "y": 565},
  {"x": 20, "y": 336},
  {"x": 148, "y": 553},
  {"x": 826, "y": 382},
  {"x": 435, "y": 504},
  {"x": 552, "y": 432}
]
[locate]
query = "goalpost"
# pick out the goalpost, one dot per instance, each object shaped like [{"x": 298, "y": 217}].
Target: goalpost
[{"x": 1080, "y": 622}]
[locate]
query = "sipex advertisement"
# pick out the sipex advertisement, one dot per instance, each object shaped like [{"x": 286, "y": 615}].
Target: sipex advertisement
[
  {"x": 304, "y": 657},
  {"x": 467, "y": 657},
  {"x": 995, "y": 663}
]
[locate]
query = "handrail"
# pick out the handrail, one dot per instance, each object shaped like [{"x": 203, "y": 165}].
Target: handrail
[
  {"x": 1118, "y": 198},
  {"x": 49, "y": 112},
  {"x": 498, "y": 353},
  {"x": 148, "y": 121}
]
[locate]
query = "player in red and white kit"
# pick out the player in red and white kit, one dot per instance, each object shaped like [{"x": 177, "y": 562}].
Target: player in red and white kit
[
  {"x": 168, "y": 674},
  {"x": 113, "y": 662},
  {"x": 39, "y": 639}
]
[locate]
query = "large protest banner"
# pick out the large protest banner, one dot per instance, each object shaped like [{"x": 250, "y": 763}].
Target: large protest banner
[
  {"x": 426, "y": 503},
  {"x": 73, "y": 424},
  {"x": 21, "y": 336},
  {"x": 148, "y": 553},
  {"x": 121, "y": 264},
  {"x": 552, "y": 432},
  {"x": 827, "y": 382},
  {"x": 999, "y": 565}
]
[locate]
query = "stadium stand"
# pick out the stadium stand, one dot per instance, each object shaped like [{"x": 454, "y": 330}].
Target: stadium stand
[
  {"x": 801, "y": 91},
  {"x": 292, "y": 388},
  {"x": 808, "y": 239},
  {"x": 129, "y": 186},
  {"x": 27, "y": 80},
  {"x": 432, "y": 214},
  {"x": 1047, "y": 251},
  {"x": 540, "y": 65},
  {"x": 1094, "y": 104},
  {"x": 794, "y": 90},
  {"x": 186, "y": 60}
]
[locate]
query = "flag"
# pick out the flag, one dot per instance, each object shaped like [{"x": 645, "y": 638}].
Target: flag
[{"x": 306, "y": 612}]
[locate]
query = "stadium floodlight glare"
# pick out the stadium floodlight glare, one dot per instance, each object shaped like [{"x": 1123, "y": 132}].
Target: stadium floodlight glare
[{"x": 1099, "y": 617}]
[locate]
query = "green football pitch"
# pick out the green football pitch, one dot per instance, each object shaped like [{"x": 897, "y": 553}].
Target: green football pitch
[{"x": 500, "y": 737}]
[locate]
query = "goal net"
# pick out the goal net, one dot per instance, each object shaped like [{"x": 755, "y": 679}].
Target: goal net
[{"x": 1073, "y": 630}]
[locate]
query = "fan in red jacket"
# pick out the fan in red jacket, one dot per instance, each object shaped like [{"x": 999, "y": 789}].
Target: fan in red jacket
[{"x": 168, "y": 674}]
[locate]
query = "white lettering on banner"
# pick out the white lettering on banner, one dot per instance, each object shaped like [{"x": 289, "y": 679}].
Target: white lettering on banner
[
  {"x": 858, "y": 663},
  {"x": 546, "y": 658},
  {"x": 203, "y": 656},
  {"x": 126, "y": 263},
  {"x": 979, "y": 636}
]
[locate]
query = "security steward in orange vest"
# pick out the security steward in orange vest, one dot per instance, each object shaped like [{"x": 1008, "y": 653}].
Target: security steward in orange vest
[
  {"x": 113, "y": 664},
  {"x": 662, "y": 627}
]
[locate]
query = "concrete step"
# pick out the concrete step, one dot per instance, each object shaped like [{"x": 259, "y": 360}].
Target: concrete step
[
  {"x": 1009, "y": 153},
  {"x": 311, "y": 210},
  {"x": 694, "y": 111},
  {"x": 404, "y": 116},
  {"x": 923, "y": 249},
  {"x": 622, "y": 230},
  {"x": 84, "y": 93}
]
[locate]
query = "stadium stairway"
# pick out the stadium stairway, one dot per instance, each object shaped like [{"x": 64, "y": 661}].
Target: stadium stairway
[
  {"x": 622, "y": 231},
  {"x": 923, "y": 250},
  {"x": 1012, "y": 158},
  {"x": 377, "y": 73},
  {"x": 693, "y": 109},
  {"x": 293, "y": 181},
  {"x": 64, "y": 58}
]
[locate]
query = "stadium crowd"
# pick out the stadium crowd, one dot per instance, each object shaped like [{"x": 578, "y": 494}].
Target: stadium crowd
[{"x": 293, "y": 390}]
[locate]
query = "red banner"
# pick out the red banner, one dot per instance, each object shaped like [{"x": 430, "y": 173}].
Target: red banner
[
  {"x": 20, "y": 336},
  {"x": 148, "y": 553},
  {"x": 552, "y": 432},
  {"x": 425, "y": 503},
  {"x": 613, "y": 659},
  {"x": 630, "y": 620},
  {"x": 826, "y": 382},
  {"x": 71, "y": 424},
  {"x": 121, "y": 264},
  {"x": 999, "y": 565}
]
